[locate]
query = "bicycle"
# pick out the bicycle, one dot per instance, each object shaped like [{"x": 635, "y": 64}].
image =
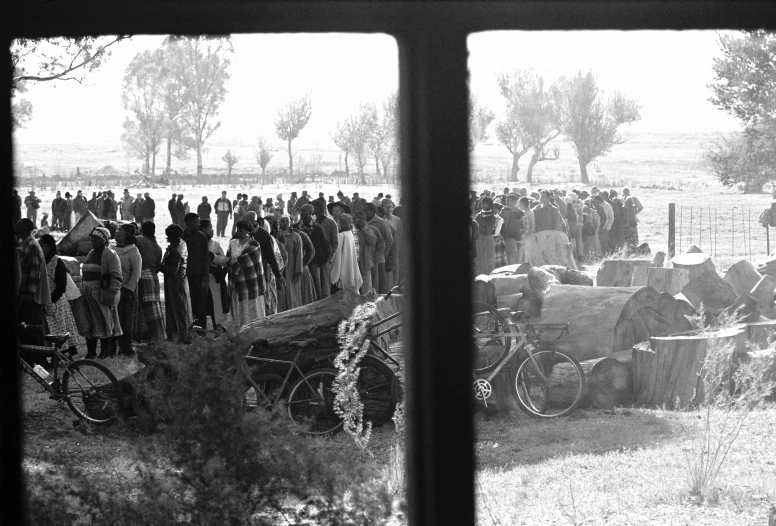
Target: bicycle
[
  {"x": 89, "y": 388},
  {"x": 547, "y": 383}
]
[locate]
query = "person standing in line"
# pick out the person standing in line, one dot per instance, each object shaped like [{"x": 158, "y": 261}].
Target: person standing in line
[
  {"x": 56, "y": 212},
  {"x": 272, "y": 288},
  {"x": 377, "y": 249},
  {"x": 331, "y": 230},
  {"x": 386, "y": 232},
  {"x": 59, "y": 318},
  {"x": 79, "y": 206},
  {"x": 33, "y": 293},
  {"x": 223, "y": 208},
  {"x": 171, "y": 207},
  {"x": 149, "y": 207},
  {"x": 204, "y": 209},
  {"x": 366, "y": 240},
  {"x": 126, "y": 206},
  {"x": 91, "y": 205},
  {"x": 180, "y": 212},
  {"x": 345, "y": 274},
  {"x": 318, "y": 265},
  {"x": 239, "y": 210},
  {"x": 246, "y": 282},
  {"x": 616, "y": 232},
  {"x": 291, "y": 295},
  {"x": 308, "y": 253},
  {"x": 149, "y": 295},
  {"x": 631, "y": 209},
  {"x": 177, "y": 307},
  {"x": 291, "y": 204},
  {"x": 110, "y": 207},
  {"x": 280, "y": 203},
  {"x": 395, "y": 222},
  {"x": 100, "y": 288},
  {"x": 98, "y": 205},
  {"x": 131, "y": 269},
  {"x": 271, "y": 258},
  {"x": 255, "y": 206},
  {"x": 489, "y": 224},
  {"x": 197, "y": 268},
  {"x": 304, "y": 200},
  {"x": 513, "y": 228},
  {"x": 137, "y": 209},
  {"x": 217, "y": 296}
]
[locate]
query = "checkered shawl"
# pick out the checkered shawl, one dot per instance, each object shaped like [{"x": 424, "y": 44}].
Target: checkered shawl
[
  {"x": 245, "y": 274},
  {"x": 148, "y": 288}
]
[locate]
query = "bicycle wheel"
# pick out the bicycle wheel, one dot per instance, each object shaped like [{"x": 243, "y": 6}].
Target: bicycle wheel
[
  {"x": 488, "y": 350},
  {"x": 270, "y": 385},
  {"x": 558, "y": 393},
  {"x": 93, "y": 393},
  {"x": 378, "y": 389},
  {"x": 311, "y": 403}
]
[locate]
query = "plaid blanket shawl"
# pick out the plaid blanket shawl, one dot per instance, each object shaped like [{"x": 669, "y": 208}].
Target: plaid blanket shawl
[
  {"x": 246, "y": 275},
  {"x": 148, "y": 288}
]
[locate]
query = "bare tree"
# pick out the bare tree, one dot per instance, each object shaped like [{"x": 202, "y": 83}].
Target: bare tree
[
  {"x": 340, "y": 137},
  {"x": 290, "y": 120},
  {"x": 480, "y": 118},
  {"x": 199, "y": 66},
  {"x": 382, "y": 139},
  {"x": 591, "y": 121},
  {"x": 53, "y": 59},
  {"x": 359, "y": 127},
  {"x": 230, "y": 159},
  {"x": 263, "y": 155}
]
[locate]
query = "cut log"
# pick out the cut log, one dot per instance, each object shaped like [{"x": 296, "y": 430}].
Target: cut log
[
  {"x": 744, "y": 309},
  {"x": 609, "y": 384},
  {"x": 549, "y": 247},
  {"x": 743, "y": 277},
  {"x": 659, "y": 259},
  {"x": 618, "y": 272},
  {"x": 668, "y": 373},
  {"x": 650, "y": 313},
  {"x": 708, "y": 288},
  {"x": 568, "y": 276},
  {"x": 488, "y": 288},
  {"x": 508, "y": 301},
  {"x": 764, "y": 290},
  {"x": 519, "y": 268},
  {"x": 696, "y": 263},
  {"x": 765, "y": 361},
  {"x": 76, "y": 242},
  {"x": 591, "y": 312},
  {"x": 670, "y": 280},
  {"x": 694, "y": 249},
  {"x": 760, "y": 334}
]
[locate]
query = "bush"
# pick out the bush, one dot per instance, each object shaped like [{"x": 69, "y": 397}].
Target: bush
[{"x": 212, "y": 464}]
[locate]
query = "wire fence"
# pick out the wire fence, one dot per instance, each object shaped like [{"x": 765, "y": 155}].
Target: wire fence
[{"x": 728, "y": 234}]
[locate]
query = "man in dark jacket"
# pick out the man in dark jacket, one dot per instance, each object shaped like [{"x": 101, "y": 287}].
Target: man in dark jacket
[
  {"x": 56, "y": 212},
  {"x": 79, "y": 206},
  {"x": 180, "y": 212},
  {"x": 172, "y": 209},
  {"x": 319, "y": 266},
  {"x": 387, "y": 233},
  {"x": 149, "y": 207},
  {"x": 91, "y": 205},
  {"x": 513, "y": 228},
  {"x": 17, "y": 206},
  {"x": 137, "y": 209},
  {"x": 204, "y": 209},
  {"x": 197, "y": 268}
]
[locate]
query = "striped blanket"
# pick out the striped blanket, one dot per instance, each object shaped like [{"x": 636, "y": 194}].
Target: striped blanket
[{"x": 246, "y": 274}]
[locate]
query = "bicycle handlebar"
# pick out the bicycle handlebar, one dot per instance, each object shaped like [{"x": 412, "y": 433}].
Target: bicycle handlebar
[{"x": 392, "y": 291}]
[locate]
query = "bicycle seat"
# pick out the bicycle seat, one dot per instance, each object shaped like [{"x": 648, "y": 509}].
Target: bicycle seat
[{"x": 57, "y": 339}]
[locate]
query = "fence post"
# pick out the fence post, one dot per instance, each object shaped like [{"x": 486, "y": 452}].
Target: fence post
[{"x": 671, "y": 229}]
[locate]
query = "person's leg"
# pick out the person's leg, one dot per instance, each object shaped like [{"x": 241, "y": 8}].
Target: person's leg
[
  {"x": 366, "y": 286},
  {"x": 108, "y": 347},
  {"x": 326, "y": 280},
  {"x": 210, "y": 309},
  {"x": 91, "y": 348},
  {"x": 198, "y": 307},
  {"x": 382, "y": 281},
  {"x": 510, "y": 246},
  {"x": 375, "y": 275},
  {"x": 315, "y": 273}
]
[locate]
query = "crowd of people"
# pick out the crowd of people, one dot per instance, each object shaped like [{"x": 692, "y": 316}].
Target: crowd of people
[
  {"x": 280, "y": 255},
  {"x": 597, "y": 223}
]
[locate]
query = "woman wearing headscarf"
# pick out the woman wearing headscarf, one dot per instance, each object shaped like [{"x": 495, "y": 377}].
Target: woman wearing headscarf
[
  {"x": 489, "y": 226},
  {"x": 291, "y": 295},
  {"x": 100, "y": 288},
  {"x": 131, "y": 268},
  {"x": 344, "y": 269},
  {"x": 177, "y": 308},
  {"x": 246, "y": 282},
  {"x": 308, "y": 253},
  {"x": 59, "y": 318}
]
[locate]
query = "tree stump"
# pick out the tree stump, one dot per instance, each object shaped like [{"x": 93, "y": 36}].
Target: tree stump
[
  {"x": 668, "y": 374},
  {"x": 549, "y": 247},
  {"x": 619, "y": 272},
  {"x": 708, "y": 288},
  {"x": 76, "y": 242},
  {"x": 670, "y": 280},
  {"x": 764, "y": 290},
  {"x": 650, "y": 313},
  {"x": 487, "y": 289},
  {"x": 743, "y": 277},
  {"x": 609, "y": 383},
  {"x": 760, "y": 334},
  {"x": 568, "y": 276},
  {"x": 695, "y": 262}
]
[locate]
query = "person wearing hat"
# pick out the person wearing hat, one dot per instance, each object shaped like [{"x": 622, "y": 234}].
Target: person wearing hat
[
  {"x": 331, "y": 229},
  {"x": 318, "y": 265},
  {"x": 513, "y": 229},
  {"x": 171, "y": 208},
  {"x": 291, "y": 204},
  {"x": 177, "y": 309},
  {"x": 345, "y": 199},
  {"x": 399, "y": 210},
  {"x": 291, "y": 295},
  {"x": 101, "y": 282},
  {"x": 320, "y": 199},
  {"x": 223, "y": 208},
  {"x": 345, "y": 273},
  {"x": 547, "y": 216},
  {"x": 126, "y": 206},
  {"x": 131, "y": 268},
  {"x": 489, "y": 226},
  {"x": 149, "y": 207},
  {"x": 98, "y": 205},
  {"x": 56, "y": 205},
  {"x": 255, "y": 205},
  {"x": 109, "y": 207},
  {"x": 305, "y": 199},
  {"x": 385, "y": 258},
  {"x": 336, "y": 209},
  {"x": 389, "y": 217},
  {"x": 67, "y": 218},
  {"x": 357, "y": 203}
]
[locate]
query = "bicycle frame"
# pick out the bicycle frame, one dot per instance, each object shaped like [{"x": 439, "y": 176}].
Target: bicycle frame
[
  {"x": 374, "y": 337},
  {"x": 48, "y": 351},
  {"x": 292, "y": 366}
]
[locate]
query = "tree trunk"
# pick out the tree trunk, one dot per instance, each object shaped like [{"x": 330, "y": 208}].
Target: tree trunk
[
  {"x": 667, "y": 374},
  {"x": 609, "y": 383},
  {"x": 670, "y": 280},
  {"x": 534, "y": 160},
  {"x": 147, "y": 164},
  {"x": 696, "y": 263},
  {"x": 347, "y": 168},
  {"x": 618, "y": 272},
  {"x": 262, "y": 175},
  {"x": 168, "y": 169},
  {"x": 199, "y": 159},
  {"x": 361, "y": 176},
  {"x": 650, "y": 313},
  {"x": 377, "y": 166},
  {"x": 153, "y": 164},
  {"x": 229, "y": 173},
  {"x": 583, "y": 172},
  {"x": 709, "y": 289},
  {"x": 290, "y": 163},
  {"x": 514, "y": 170},
  {"x": 743, "y": 277}
]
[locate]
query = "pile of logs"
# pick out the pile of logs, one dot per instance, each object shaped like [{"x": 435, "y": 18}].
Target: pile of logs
[{"x": 642, "y": 332}]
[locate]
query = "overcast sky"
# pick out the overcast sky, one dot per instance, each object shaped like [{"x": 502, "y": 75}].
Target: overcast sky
[{"x": 667, "y": 72}]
